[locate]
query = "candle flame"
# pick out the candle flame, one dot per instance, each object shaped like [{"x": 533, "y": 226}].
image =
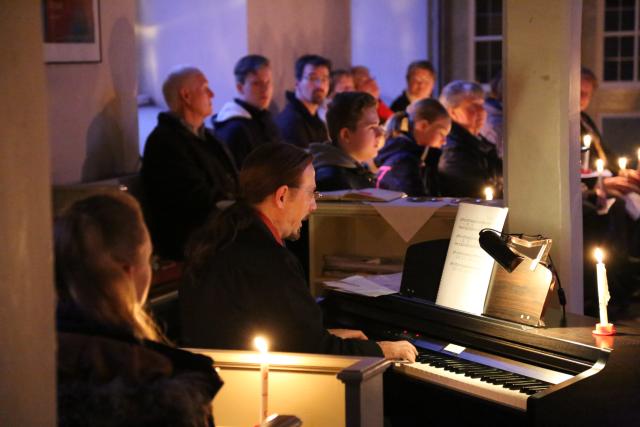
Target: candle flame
[
  {"x": 600, "y": 165},
  {"x": 261, "y": 344},
  {"x": 622, "y": 162},
  {"x": 488, "y": 193},
  {"x": 599, "y": 255},
  {"x": 586, "y": 141}
]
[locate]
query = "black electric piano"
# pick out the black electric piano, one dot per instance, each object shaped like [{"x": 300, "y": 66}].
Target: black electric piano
[{"x": 477, "y": 370}]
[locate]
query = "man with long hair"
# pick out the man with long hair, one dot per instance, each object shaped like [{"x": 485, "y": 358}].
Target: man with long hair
[{"x": 241, "y": 279}]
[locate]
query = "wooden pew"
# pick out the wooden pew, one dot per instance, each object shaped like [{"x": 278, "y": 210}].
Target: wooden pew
[{"x": 321, "y": 390}]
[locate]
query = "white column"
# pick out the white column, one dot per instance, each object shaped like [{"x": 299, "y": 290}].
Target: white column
[
  {"x": 27, "y": 349},
  {"x": 542, "y": 85}
]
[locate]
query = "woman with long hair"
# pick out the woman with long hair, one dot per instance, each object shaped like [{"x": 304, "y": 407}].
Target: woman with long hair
[{"x": 114, "y": 365}]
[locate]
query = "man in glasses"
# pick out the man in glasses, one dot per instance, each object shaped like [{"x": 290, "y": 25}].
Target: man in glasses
[{"x": 299, "y": 122}]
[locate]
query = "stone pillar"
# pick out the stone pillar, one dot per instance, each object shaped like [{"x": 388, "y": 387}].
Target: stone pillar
[
  {"x": 541, "y": 55},
  {"x": 27, "y": 346}
]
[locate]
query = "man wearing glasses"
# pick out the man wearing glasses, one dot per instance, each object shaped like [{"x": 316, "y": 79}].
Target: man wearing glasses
[{"x": 299, "y": 122}]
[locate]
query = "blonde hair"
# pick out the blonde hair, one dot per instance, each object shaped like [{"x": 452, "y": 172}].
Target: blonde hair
[{"x": 93, "y": 238}]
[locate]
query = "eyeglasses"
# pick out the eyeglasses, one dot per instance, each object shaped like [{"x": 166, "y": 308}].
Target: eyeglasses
[
  {"x": 316, "y": 79},
  {"x": 310, "y": 193}
]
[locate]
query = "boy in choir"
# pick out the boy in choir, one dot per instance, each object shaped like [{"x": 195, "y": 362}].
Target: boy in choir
[
  {"x": 355, "y": 132},
  {"x": 246, "y": 122},
  {"x": 185, "y": 169},
  {"x": 241, "y": 279},
  {"x": 469, "y": 163},
  {"x": 421, "y": 76},
  {"x": 408, "y": 161},
  {"x": 299, "y": 122}
]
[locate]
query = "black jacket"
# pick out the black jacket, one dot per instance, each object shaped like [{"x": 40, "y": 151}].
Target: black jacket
[
  {"x": 400, "y": 103},
  {"x": 183, "y": 177},
  {"x": 244, "y": 127},
  {"x": 256, "y": 286},
  {"x": 402, "y": 167},
  {"x": 588, "y": 126},
  {"x": 297, "y": 126},
  {"x": 336, "y": 170},
  {"x": 468, "y": 164},
  {"x": 106, "y": 377}
]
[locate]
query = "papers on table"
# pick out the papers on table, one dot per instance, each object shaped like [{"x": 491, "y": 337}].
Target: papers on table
[{"x": 371, "y": 286}]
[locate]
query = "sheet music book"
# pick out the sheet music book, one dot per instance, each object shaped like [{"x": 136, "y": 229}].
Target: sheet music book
[
  {"x": 467, "y": 269},
  {"x": 361, "y": 195}
]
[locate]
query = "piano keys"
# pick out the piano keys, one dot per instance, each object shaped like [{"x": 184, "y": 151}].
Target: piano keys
[{"x": 495, "y": 372}]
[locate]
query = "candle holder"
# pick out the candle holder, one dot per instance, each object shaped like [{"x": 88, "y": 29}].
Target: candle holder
[{"x": 606, "y": 329}]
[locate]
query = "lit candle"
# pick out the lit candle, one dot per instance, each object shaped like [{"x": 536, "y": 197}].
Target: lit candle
[
  {"x": 488, "y": 193},
  {"x": 638, "y": 159},
  {"x": 263, "y": 347},
  {"x": 603, "y": 287},
  {"x": 622, "y": 163},
  {"x": 586, "y": 143},
  {"x": 600, "y": 169}
]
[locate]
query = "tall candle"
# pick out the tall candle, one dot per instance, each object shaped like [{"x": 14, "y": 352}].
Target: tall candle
[
  {"x": 638, "y": 159},
  {"x": 586, "y": 143},
  {"x": 488, "y": 193},
  {"x": 263, "y": 347},
  {"x": 603, "y": 287},
  {"x": 600, "y": 169}
]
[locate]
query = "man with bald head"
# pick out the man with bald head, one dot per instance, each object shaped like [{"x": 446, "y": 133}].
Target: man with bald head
[{"x": 185, "y": 169}]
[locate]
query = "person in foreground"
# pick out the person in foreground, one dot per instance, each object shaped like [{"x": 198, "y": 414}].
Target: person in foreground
[
  {"x": 114, "y": 366},
  {"x": 242, "y": 281}
]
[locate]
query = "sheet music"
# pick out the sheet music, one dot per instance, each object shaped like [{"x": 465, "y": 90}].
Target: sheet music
[{"x": 467, "y": 269}]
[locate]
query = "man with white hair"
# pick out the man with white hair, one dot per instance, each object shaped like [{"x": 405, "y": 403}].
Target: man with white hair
[
  {"x": 185, "y": 169},
  {"x": 469, "y": 162}
]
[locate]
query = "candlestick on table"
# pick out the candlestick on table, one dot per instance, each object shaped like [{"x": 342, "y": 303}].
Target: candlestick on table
[
  {"x": 604, "y": 327},
  {"x": 586, "y": 143},
  {"x": 263, "y": 347}
]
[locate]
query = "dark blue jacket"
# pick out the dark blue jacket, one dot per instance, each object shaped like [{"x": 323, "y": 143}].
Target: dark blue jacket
[
  {"x": 336, "y": 170},
  {"x": 297, "y": 126},
  {"x": 403, "y": 169},
  {"x": 469, "y": 164}
]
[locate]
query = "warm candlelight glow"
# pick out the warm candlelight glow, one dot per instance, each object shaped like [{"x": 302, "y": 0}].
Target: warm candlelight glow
[
  {"x": 488, "y": 193},
  {"x": 622, "y": 162},
  {"x": 599, "y": 255},
  {"x": 600, "y": 165},
  {"x": 261, "y": 344},
  {"x": 586, "y": 141},
  {"x": 638, "y": 153}
]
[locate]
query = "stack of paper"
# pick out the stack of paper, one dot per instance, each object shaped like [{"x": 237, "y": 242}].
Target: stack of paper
[{"x": 371, "y": 286}]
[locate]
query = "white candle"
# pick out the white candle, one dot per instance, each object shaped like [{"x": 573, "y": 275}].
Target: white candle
[
  {"x": 638, "y": 159},
  {"x": 622, "y": 163},
  {"x": 603, "y": 287},
  {"x": 263, "y": 347},
  {"x": 488, "y": 193},
  {"x": 586, "y": 143}
]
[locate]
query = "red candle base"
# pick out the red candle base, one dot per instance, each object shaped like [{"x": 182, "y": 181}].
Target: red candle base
[{"x": 607, "y": 329}]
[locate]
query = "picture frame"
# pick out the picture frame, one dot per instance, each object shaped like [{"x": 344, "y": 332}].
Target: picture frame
[{"x": 71, "y": 31}]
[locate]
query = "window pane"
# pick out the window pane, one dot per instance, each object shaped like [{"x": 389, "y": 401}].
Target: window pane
[
  {"x": 482, "y": 26},
  {"x": 496, "y": 7},
  {"x": 482, "y": 6},
  {"x": 610, "y": 21},
  {"x": 626, "y": 47},
  {"x": 628, "y": 19},
  {"x": 628, "y": 4},
  {"x": 495, "y": 49},
  {"x": 611, "y": 47},
  {"x": 482, "y": 51},
  {"x": 626, "y": 70},
  {"x": 610, "y": 70}
]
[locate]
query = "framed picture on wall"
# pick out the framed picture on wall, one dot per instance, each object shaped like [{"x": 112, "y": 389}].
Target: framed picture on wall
[{"x": 71, "y": 30}]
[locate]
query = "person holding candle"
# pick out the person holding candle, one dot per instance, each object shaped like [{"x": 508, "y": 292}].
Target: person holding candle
[
  {"x": 114, "y": 367},
  {"x": 241, "y": 280}
]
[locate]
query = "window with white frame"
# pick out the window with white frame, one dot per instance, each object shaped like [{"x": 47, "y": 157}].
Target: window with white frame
[
  {"x": 487, "y": 39},
  {"x": 620, "y": 45}
]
